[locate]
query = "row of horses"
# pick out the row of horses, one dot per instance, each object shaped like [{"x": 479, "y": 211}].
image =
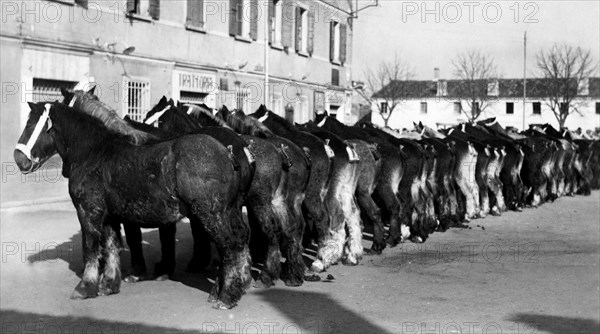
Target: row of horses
[{"x": 302, "y": 185}]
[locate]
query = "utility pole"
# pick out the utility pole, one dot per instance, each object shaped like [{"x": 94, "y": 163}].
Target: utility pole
[
  {"x": 524, "y": 75},
  {"x": 266, "y": 67}
]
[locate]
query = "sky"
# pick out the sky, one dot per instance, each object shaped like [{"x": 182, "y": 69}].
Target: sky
[{"x": 409, "y": 29}]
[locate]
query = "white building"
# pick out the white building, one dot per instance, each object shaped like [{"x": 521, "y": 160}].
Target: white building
[{"x": 434, "y": 104}]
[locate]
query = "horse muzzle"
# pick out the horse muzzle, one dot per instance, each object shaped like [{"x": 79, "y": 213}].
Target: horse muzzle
[{"x": 25, "y": 164}]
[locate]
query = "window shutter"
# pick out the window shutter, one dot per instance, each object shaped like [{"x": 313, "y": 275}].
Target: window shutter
[
  {"x": 233, "y": 23},
  {"x": 82, "y": 3},
  {"x": 298, "y": 29},
  {"x": 195, "y": 13},
  {"x": 271, "y": 20},
  {"x": 254, "y": 19},
  {"x": 343, "y": 41},
  {"x": 332, "y": 41},
  {"x": 311, "y": 32},
  {"x": 131, "y": 7},
  {"x": 154, "y": 9},
  {"x": 288, "y": 24}
]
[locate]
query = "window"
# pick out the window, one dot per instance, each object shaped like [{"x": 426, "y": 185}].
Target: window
[
  {"x": 510, "y": 107},
  {"x": 276, "y": 16},
  {"x": 383, "y": 107},
  {"x": 442, "y": 88},
  {"x": 335, "y": 77},
  {"x": 333, "y": 110},
  {"x": 243, "y": 19},
  {"x": 493, "y": 88},
  {"x": 242, "y": 98},
  {"x": 457, "y": 108},
  {"x": 597, "y": 108},
  {"x": 337, "y": 42},
  {"x": 423, "y": 107},
  {"x": 537, "y": 108},
  {"x": 584, "y": 87},
  {"x": 136, "y": 99},
  {"x": 49, "y": 90},
  {"x": 476, "y": 107},
  {"x": 193, "y": 97},
  {"x": 301, "y": 30},
  {"x": 144, "y": 8},
  {"x": 195, "y": 14}
]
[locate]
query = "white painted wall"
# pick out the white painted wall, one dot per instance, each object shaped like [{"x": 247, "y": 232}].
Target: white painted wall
[{"x": 440, "y": 110}]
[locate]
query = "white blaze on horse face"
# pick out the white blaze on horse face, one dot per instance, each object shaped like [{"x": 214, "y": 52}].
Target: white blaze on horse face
[
  {"x": 264, "y": 118},
  {"x": 190, "y": 110},
  {"x": 450, "y": 132},
  {"x": 463, "y": 127},
  {"x": 322, "y": 122},
  {"x": 72, "y": 103},
  {"x": 156, "y": 116},
  {"x": 26, "y": 148}
]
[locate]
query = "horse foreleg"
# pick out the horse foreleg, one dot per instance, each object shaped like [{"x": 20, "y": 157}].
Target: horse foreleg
[{"x": 91, "y": 222}]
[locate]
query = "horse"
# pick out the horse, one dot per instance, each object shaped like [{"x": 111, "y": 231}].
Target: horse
[
  {"x": 270, "y": 200},
  {"x": 335, "y": 193},
  {"x": 86, "y": 102},
  {"x": 112, "y": 181}
]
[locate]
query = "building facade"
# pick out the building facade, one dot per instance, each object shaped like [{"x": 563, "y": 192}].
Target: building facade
[
  {"x": 198, "y": 51},
  {"x": 433, "y": 103}
]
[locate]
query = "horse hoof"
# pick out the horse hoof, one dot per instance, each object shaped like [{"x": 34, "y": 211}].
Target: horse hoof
[
  {"x": 132, "y": 279},
  {"x": 312, "y": 278},
  {"x": 260, "y": 284},
  {"x": 317, "y": 267},
  {"x": 219, "y": 305},
  {"x": 350, "y": 261},
  {"x": 372, "y": 251},
  {"x": 83, "y": 291},
  {"x": 107, "y": 291},
  {"x": 294, "y": 283},
  {"x": 163, "y": 277}
]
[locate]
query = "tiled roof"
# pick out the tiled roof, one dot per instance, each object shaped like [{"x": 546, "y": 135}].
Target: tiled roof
[{"x": 506, "y": 88}]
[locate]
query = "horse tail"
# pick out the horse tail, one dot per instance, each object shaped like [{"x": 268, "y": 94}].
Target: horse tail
[
  {"x": 374, "y": 148},
  {"x": 306, "y": 151}
]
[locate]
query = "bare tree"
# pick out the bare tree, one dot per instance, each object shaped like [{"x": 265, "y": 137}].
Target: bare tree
[
  {"x": 477, "y": 76},
  {"x": 565, "y": 70},
  {"x": 383, "y": 89}
]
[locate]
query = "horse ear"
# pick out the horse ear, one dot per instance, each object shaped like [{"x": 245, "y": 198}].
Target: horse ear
[
  {"x": 64, "y": 92},
  {"x": 163, "y": 100},
  {"x": 91, "y": 90},
  {"x": 420, "y": 124},
  {"x": 171, "y": 102},
  {"x": 32, "y": 105}
]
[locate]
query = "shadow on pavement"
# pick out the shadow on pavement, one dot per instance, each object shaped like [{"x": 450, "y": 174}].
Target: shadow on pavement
[
  {"x": 313, "y": 312},
  {"x": 13, "y": 322},
  {"x": 556, "y": 324}
]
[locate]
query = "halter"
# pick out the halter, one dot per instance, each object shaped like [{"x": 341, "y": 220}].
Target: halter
[
  {"x": 321, "y": 123},
  {"x": 156, "y": 116},
  {"x": 264, "y": 118},
  {"x": 26, "y": 148}
]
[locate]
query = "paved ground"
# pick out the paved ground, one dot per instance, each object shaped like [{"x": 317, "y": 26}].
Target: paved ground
[{"x": 530, "y": 272}]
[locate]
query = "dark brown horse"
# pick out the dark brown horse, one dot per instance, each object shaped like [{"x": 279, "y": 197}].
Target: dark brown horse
[{"x": 114, "y": 181}]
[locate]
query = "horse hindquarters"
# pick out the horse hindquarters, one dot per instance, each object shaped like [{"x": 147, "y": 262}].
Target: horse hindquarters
[{"x": 208, "y": 184}]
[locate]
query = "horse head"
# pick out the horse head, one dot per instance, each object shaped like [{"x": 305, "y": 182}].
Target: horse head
[{"x": 36, "y": 143}]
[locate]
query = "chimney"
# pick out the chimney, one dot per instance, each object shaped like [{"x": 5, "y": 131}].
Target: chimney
[{"x": 436, "y": 74}]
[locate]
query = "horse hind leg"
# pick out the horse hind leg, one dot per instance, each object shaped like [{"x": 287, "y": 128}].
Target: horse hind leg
[
  {"x": 166, "y": 267},
  {"x": 133, "y": 235},
  {"x": 110, "y": 282},
  {"x": 267, "y": 235},
  {"x": 353, "y": 249},
  {"x": 231, "y": 235}
]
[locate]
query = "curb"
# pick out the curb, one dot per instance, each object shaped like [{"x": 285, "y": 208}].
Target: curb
[{"x": 35, "y": 202}]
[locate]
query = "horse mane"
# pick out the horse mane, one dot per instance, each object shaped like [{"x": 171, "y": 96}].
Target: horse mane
[
  {"x": 198, "y": 111},
  {"x": 94, "y": 140},
  {"x": 91, "y": 105},
  {"x": 280, "y": 120},
  {"x": 248, "y": 125}
]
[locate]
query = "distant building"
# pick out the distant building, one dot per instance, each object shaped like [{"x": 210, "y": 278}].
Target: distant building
[
  {"x": 433, "y": 103},
  {"x": 194, "y": 51}
]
